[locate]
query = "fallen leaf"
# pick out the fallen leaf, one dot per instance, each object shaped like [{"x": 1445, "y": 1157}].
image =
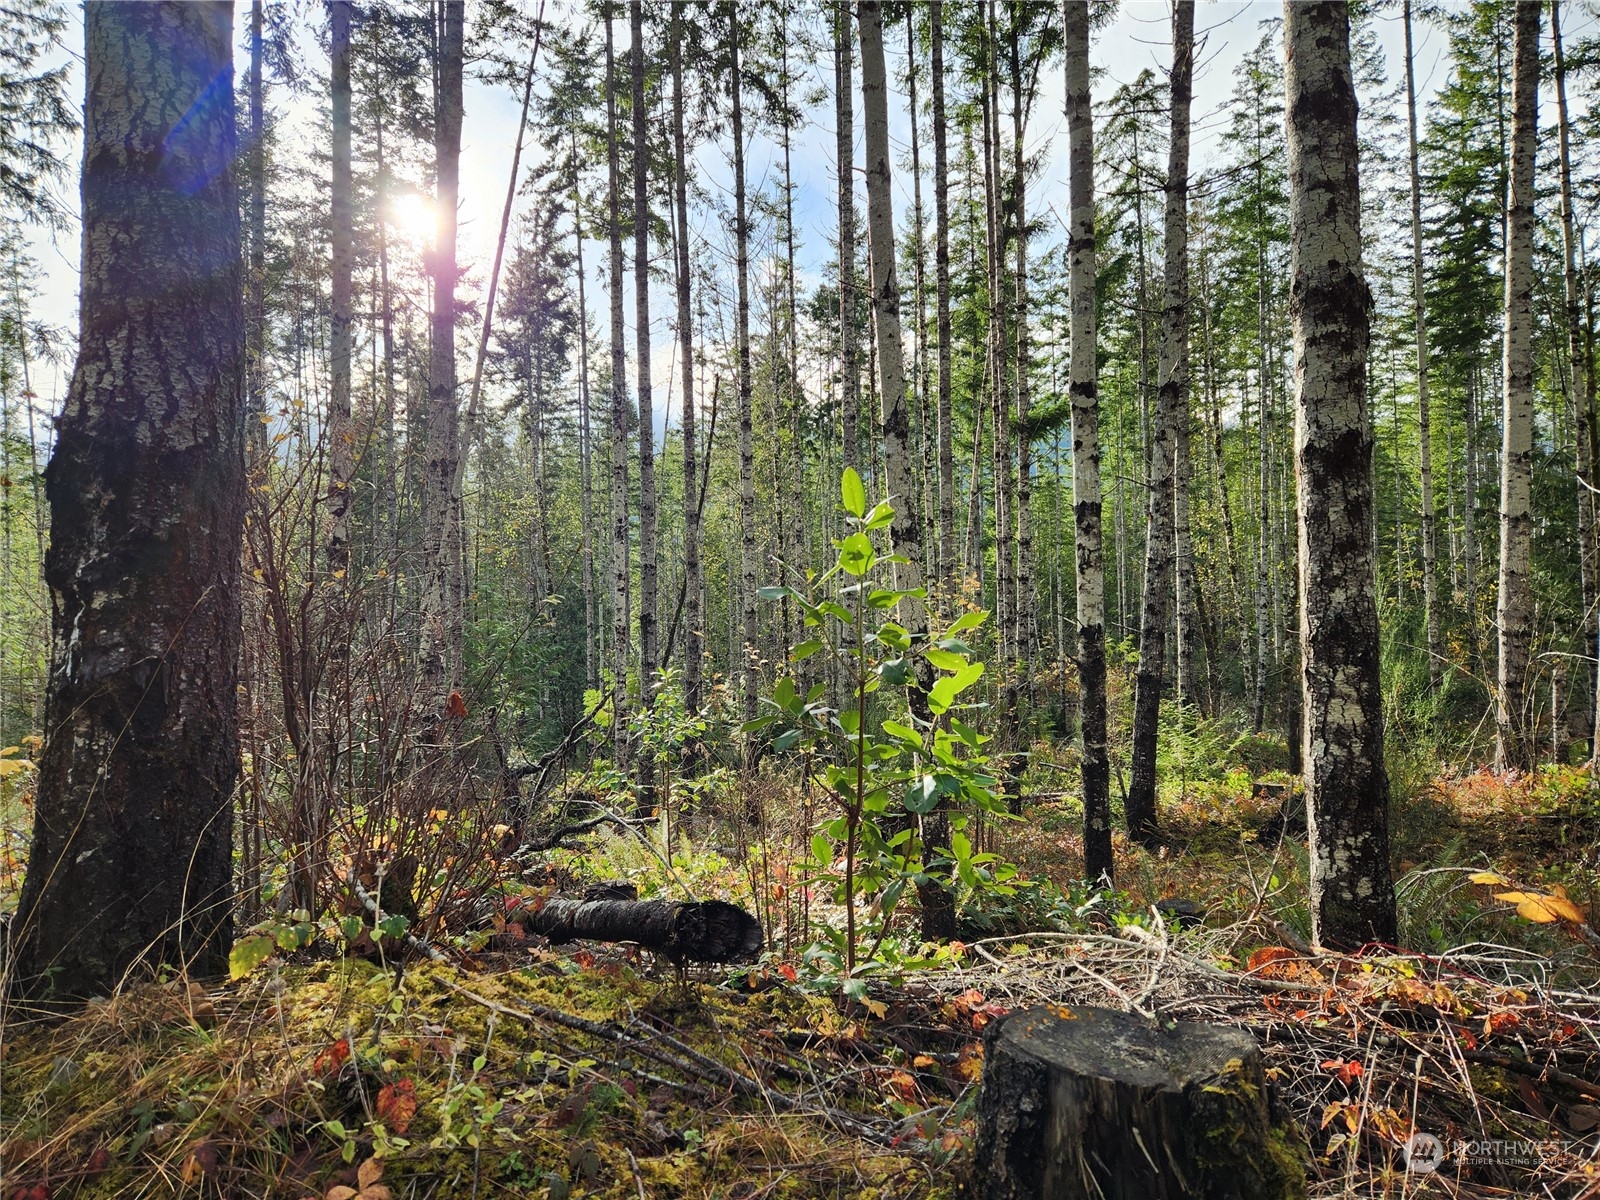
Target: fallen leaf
[
  {"x": 331, "y": 1058},
  {"x": 1489, "y": 879},
  {"x": 397, "y": 1104}
]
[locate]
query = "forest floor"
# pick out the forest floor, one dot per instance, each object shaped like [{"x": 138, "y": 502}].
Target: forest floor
[{"x": 529, "y": 1070}]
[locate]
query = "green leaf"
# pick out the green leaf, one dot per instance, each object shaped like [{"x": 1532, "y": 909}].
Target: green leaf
[
  {"x": 882, "y": 514},
  {"x": 805, "y": 650},
  {"x": 853, "y": 493},
  {"x": 821, "y": 850},
  {"x": 394, "y": 926},
  {"x": 896, "y": 672},
  {"x": 786, "y": 741},
  {"x": 856, "y": 554},
  {"x": 945, "y": 660},
  {"x": 903, "y": 732},
  {"x": 777, "y": 593},
  {"x": 249, "y": 953},
  {"x": 757, "y": 725},
  {"x": 923, "y": 795},
  {"x": 966, "y": 621},
  {"x": 784, "y": 694}
]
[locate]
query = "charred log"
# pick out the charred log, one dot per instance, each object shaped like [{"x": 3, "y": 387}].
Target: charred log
[{"x": 705, "y": 931}]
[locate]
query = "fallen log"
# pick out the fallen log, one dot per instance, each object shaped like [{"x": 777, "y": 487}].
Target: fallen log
[
  {"x": 682, "y": 931},
  {"x": 1081, "y": 1103}
]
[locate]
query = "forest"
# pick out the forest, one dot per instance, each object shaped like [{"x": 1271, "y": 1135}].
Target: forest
[{"x": 799, "y": 598}]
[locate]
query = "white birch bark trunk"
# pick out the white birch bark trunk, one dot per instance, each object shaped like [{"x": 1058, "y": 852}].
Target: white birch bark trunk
[{"x": 1347, "y": 792}]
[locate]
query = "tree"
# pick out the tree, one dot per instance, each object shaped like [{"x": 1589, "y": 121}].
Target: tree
[
  {"x": 941, "y": 261},
  {"x": 1172, "y": 408},
  {"x": 641, "y": 284},
  {"x": 749, "y": 664},
  {"x": 1514, "y": 609},
  {"x": 620, "y": 577},
  {"x": 845, "y": 132},
  {"x": 1430, "y": 543},
  {"x": 1347, "y": 791},
  {"x": 132, "y": 845},
  {"x": 905, "y": 530},
  {"x": 34, "y": 112},
  {"x": 694, "y": 635},
  {"x": 341, "y": 437},
  {"x": 1082, "y": 387},
  {"x": 1578, "y": 403},
  {"x": 441, "y": 527}
]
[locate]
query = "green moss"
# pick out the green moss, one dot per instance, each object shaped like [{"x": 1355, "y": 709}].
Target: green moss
[{"x": 1260, "y": 1161}]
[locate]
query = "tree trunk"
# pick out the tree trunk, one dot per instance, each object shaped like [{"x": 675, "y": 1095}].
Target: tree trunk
[
  {"x": 844, "y": 123},
  {"x": 905, "y": 531},
  {"x": 1514, "y": 609},
  {"x": 1430, "y": 542},
  {"x": 256, "y": 312},
  {"x": 1347, "y": 792},
  {"x": 1172, "y": 403},
  {"x": 694, "y": 633},
  {"x": 341, "y": 437},
  {"x": 591, "y": 657},
  {"x": 1023, "y": 599},
  {"x": 750, "y": 666},
  {"x": 620, "y": 575},
  {"x": 132, "y": 845},
  {"x": 1084, "y": 390},
  {"x": 641, "y": 291},
  {"x": 441, "y": 526},
  {"x": 1095, "y": 1104},
  {"x": 1577, "y": 381},
  {"x": 941, "y": 260}
]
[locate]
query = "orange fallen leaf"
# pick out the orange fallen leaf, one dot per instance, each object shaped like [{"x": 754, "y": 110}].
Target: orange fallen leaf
[{"x": 397, "y": 1104}]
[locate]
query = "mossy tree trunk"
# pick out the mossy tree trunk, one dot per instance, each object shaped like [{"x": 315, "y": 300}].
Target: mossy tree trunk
[{"x": 132, "y": 843}]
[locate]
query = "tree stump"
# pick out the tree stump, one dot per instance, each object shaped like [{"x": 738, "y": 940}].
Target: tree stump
[{"x": 1096, "y": 1104}]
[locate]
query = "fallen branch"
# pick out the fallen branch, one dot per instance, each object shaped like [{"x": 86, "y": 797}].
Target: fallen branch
[{"x": 705, "y": 931}]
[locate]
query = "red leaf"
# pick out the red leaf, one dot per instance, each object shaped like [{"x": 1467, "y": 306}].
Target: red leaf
[
  {"x": 788, "y": 972},
  {"x": 397, "y": 1104},
  {"x": 332, "y": 1058},
  {"x": 455, "y": 706}
]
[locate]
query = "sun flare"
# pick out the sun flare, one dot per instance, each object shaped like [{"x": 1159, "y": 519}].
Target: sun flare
[{"x": 412, "y": 214}]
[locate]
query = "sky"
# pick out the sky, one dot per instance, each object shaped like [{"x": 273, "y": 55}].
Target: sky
[{"x": 1138, "y": 38}]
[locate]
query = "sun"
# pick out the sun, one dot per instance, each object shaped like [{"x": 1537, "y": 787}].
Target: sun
[{"x": 412, "y": 214}]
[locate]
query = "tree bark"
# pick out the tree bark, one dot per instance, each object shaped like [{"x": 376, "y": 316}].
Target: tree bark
[
  {"x": 845, "y": 132},
  {"x": 131, "y": 853},
  {"x": 341, "y": 436},
  {"x": 1095, "y": 1104},
  {"x": 705, "y": 931},
  {"x": 591, "y": 656},
  {"x": 941, "y": 261},
  {"x": 1172, "y": 406},
  {"x": 1347, "y": 792},
  {"x": 1083, "y": 388},
  {"x": 905, "y": 530},
  {"x": 648, "y": 587},
  {"x": 441, "y": 523},
  {"x": 620, "y": 574},
  {"x": 256, "y": 313},
  {"x": 1430, "y": 542},
  {"x": 694, "y": 634},
  {"x": 750, "y": 665},
  {"x": 1577, "y": 381},
  {"x": 1514, "y": 608}
]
